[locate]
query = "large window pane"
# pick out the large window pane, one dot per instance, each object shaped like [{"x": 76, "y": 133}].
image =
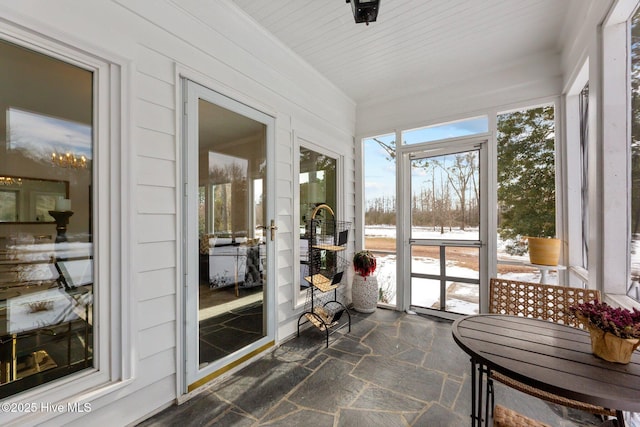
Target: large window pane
[
  {"x": 584, "y": 173},
  {"x": 317, "y": 182},
  {"x": 634, "y": 288},
  {"x": 526, "y": 187},
  {"x": 317, "y": 187},
  {"x": 445, "y": 197},
  {"x": 380, "y": 210},
  {"x": 232, "y": 248},
  {"x": 46, "y": 268},
  {"x": 455, "y": 129}
]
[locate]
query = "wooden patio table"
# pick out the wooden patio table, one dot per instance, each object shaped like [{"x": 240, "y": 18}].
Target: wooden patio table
[{"x": 545, "y": 355}]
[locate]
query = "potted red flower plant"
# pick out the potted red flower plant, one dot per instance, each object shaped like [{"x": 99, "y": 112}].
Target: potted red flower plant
[
  {"x": 615, "y": 331},
  {"x": 364, "y": 292},
  {"x": 364, "y": 263}
]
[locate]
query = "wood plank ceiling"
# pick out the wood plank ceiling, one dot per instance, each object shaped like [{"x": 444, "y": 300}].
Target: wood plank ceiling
[{"x": 414, "y": 43}]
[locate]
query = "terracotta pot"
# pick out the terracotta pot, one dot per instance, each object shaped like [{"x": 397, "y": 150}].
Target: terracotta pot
[
  {"x": 364, "y": 293},
  {"x": 544, "y": 251},
  {"x": 610, "y": 347}
]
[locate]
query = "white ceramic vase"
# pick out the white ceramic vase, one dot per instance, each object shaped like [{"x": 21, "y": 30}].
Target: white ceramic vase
[{"x": 364, "y": 293}]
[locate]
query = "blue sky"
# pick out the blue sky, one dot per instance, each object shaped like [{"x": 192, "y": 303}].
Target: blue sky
[
  {"x": 379, "y": 173},
  {"x": 37, "y": 135}
]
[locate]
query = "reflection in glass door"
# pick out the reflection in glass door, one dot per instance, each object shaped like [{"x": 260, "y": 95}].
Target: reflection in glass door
[
  {"x": 445, "y": 242},
  {"x": 228, "y": 311}
]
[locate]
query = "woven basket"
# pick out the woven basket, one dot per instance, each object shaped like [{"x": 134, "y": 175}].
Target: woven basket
[{"x": 610, "y": 347}]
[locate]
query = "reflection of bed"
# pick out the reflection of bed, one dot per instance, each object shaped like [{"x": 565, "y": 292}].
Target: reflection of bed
[{"x": 238, "y": 264}]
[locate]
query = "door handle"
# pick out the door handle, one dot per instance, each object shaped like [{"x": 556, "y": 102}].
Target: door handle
[{"x": 273, "y": 227}]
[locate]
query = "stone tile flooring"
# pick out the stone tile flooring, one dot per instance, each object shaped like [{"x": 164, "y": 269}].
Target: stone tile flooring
[{"x": 392, "y": 369}]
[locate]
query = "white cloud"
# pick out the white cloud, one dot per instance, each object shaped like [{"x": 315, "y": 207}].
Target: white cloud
[{"x": 37, "y": 135}]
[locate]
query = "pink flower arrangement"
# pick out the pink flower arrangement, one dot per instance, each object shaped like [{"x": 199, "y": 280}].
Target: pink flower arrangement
[{"x": 615, "y": 320}]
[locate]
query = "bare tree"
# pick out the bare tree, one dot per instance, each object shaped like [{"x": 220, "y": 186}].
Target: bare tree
[{"x": 463, "y": 170}]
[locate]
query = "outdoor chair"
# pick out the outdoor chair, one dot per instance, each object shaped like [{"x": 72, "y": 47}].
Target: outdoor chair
[
  {"x": 505, "y": 417},
  {"x": 547, "y": 302}
]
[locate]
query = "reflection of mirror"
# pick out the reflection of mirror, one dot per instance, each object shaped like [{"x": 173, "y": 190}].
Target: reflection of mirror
[
  {"x": 29, "y": 199},
  {"x": 317, "y": 182}
]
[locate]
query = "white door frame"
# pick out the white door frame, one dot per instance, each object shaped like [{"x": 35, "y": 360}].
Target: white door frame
[
  {"x": 195, "y": 377},
  {"x": 403, "y": 175}
]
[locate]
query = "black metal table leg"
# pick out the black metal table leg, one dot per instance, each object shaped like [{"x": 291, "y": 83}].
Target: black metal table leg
[
  {"x": 488, "y": 396},
  {"x": 474, "y": 386},
  {"x": 480, "y": 393},
  {"x": 478, "y": 398}
]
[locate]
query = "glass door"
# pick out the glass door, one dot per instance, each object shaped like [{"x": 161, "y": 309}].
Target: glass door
[
  {"x": 447, "y": 250},
  {"x": 229, "y": 234}
]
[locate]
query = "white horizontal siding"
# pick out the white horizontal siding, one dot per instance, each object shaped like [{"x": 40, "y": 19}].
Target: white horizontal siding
[
  {"x": 156, "y": 339},
  {"x": 237, "y": 59},
  {"x": 285, "y": 254},
  {"x": 289, "y": 328},
  {"x": 155, "y": 90},
  {"x": 154, "y": 256},
  {"x": 155, "y": 63},
  {"x": 156, "y": 127},
  {"x": 151, "y": 143},
  {"x": 155, "y": 200},
  {"x": 156, "y": 283},
  {"x": 164, "y": 361},
  {"x": 142, "y": 397},
  {"x": 156, "y": 311},
  {"x": 155, "y": 117},
  {"x": 157, "y": 172},
  {"x": 156, "y": 228}
]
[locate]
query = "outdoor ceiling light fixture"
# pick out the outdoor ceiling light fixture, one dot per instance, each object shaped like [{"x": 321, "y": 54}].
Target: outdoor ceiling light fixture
[{"x": 365, "y": 10}]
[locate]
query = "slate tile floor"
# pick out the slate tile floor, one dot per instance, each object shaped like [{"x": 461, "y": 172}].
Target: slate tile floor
[
  {"x": 392, "y": 369},
  {"x": 223, "y": 334}
]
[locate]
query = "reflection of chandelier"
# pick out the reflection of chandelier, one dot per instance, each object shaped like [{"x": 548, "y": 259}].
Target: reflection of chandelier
[
  {"x": 9, "y": 180},
  {"x": 68, "y": 160}
]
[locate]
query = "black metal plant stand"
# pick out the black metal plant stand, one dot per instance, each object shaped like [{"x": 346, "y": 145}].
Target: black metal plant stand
[{"x": 324, "y": 307}]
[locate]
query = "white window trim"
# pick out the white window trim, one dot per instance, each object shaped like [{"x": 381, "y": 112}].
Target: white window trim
[
  {"x": 402, "y": 295},
  {"x": 577, "y": 274},
  {"x": 113, "y": 352},
  {"x": 611, "y": 210},
  {"x": 614, "y": 158},
  {"x": 299, "y": 296}
]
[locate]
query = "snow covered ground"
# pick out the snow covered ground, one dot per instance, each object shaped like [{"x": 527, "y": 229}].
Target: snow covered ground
[{"x": 461, "y": 297}]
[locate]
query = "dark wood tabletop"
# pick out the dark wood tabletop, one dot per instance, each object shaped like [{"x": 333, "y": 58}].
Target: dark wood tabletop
[{"x": 550, "y": 356}]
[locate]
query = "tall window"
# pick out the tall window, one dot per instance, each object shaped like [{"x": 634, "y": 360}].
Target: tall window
[
  {"x": 46, "y": 219},
  {"x": 380, "y": 210},
  {"x": 584, "y": 175},
  {"x": 634, "y": 287},
  {"x": 526, "y": 186}
]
